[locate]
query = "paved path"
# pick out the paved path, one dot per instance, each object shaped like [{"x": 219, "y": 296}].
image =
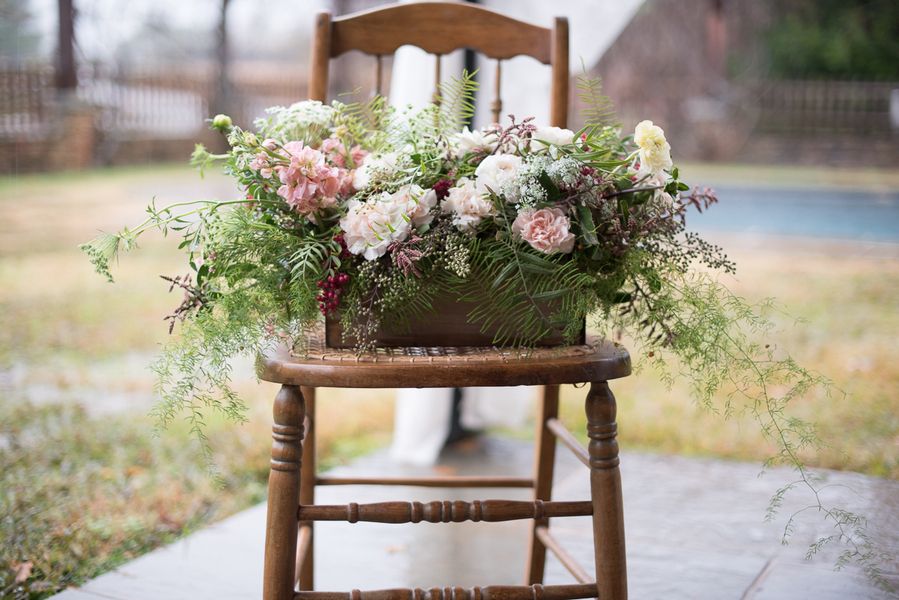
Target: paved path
[{"x": 695, "y": 530}]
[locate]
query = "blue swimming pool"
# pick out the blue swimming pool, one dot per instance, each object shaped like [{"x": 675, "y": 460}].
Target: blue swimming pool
[{"x": 829, "y": 213}]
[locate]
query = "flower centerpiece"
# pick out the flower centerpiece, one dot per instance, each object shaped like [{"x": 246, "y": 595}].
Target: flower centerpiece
[
  {"x": 376, "y": 219},
  {"x": 373, "y": 219}
]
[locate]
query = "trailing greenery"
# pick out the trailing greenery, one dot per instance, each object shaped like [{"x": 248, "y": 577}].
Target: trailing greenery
[{"x": 357, "y": 213}]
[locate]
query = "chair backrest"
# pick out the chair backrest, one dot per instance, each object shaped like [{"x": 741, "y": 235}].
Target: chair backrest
[{"x": 439, "y": 28}]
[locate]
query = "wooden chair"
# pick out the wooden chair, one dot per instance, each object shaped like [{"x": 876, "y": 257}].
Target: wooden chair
[{"x": 439, "y": 28}]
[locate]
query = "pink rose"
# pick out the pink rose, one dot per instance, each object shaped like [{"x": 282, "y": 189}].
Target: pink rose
[{"x": 546, "y": 229}]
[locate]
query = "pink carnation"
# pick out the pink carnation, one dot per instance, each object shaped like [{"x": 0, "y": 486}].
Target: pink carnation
[
  {"x": 309, "y": 183},
  {"x": 546, "y": 230}
]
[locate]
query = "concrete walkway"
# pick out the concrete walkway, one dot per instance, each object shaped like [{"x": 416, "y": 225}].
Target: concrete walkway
[{"x": 695, "y": 530}]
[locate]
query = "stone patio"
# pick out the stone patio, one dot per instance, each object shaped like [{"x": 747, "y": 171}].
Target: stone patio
[{"x": 695, "y": 530}]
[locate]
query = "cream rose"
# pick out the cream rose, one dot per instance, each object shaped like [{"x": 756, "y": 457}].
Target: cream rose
[
  {"x": 467, "y": 206},
  {"x": 370, "y": 227},
  {"x": 546, "y": 230},
  {"x": 655, "y": 152},
  {"x": 495, "y": 171}
]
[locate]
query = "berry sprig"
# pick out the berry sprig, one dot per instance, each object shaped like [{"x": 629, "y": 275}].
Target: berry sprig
[{"x": 331, "y": 288}]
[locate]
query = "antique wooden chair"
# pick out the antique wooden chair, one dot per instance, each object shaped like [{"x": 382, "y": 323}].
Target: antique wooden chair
[{"x": 439, "y": 28}]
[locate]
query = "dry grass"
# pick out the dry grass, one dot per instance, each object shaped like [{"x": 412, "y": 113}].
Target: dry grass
[
  {"x": 847, "y": 304},
  {"x": 108, "y": 490}
]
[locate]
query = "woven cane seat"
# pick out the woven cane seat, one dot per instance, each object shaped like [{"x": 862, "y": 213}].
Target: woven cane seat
[{"x": 313, "y": 364}]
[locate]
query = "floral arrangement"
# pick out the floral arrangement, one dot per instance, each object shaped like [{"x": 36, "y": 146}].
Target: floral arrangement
[
  {"x": 357, "y": 211},
  {"x": 366, "y": 214}
]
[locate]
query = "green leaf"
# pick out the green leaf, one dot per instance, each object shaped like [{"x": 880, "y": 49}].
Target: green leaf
[
  {"x": 588, "y": 227},
  {"x": 202, "y": 272},
  {"x": 552, "y": 190}
]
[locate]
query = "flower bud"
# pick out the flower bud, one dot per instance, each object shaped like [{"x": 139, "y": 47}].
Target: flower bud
[{"x": 221, "y": 123}]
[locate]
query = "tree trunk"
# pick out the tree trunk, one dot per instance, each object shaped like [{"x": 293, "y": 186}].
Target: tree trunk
[
  {"x": 66, "y": 75},
  {"x": 222, "y": 101}
]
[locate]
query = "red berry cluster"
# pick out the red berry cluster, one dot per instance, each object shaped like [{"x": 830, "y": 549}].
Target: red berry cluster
[
  {"x": 331, "y": 287},
  {"x": 344, "y": 251},
  {"x": 442, "y": 188}
]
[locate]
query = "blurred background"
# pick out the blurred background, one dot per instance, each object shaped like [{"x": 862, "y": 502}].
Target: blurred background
[{"x": 789, "y": 108}]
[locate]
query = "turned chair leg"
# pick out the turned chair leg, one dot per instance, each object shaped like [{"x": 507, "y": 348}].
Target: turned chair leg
[
  {"x": 283, "y": 491},
  {"x": 308, "y": 473},
  {"x": 605, "y": 491},
  {"x": 544, "y": 461}
]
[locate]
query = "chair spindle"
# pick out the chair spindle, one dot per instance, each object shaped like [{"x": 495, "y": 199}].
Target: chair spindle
[
  {"x": 497, "y": 105},
  {"x": 379, "y": 74}
]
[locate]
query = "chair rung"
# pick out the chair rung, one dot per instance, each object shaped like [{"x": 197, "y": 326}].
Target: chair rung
[
  {"x": 552, "y": 544},
  {"x": 565, "y": 436},
  {"x": 490, "y": 592},
  {"x": 448, "y": 482},
  {"x": 447, "y": 511}
]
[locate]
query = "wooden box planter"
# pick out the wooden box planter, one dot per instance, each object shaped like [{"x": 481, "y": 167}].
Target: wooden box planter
[{"x": 447, "y": 325}]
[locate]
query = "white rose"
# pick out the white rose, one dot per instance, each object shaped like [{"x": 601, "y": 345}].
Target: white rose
[
  {"x": 495, "y": 171},
  {"x": 655, "y": 152},
  {"x": 468, "y": 141},
  {"x": 467, "y": 205},
  {"x": 417, "y": 203},
  {"x": 370, "y": 227},
  {"x": 544, "y": 137},
  {"x": 384, "y": 163}
]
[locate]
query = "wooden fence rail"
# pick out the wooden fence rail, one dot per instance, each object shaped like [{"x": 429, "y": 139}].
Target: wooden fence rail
[
  {"x": 141, "y": 103},
  {"x": 823, "y": 107}
]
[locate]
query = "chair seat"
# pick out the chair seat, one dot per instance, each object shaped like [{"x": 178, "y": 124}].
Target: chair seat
[{"x": 317, "y": 365}]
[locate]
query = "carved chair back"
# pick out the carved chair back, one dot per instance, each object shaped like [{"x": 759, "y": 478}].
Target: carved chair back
[{"x": 440, "y": 28}]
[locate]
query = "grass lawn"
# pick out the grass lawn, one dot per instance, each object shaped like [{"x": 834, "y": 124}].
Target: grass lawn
[{"x": 87, "y": 485}]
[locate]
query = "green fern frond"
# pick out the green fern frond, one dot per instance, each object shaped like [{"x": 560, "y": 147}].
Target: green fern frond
[
  {"x": 524, "y": 295},
  {"x": 598, "y": 109},
  {"x": 456, "y": 99}
]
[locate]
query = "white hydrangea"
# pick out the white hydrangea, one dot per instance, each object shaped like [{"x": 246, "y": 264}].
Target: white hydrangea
[
  {"x": 469, "y": 141},
  {"x": 495, "y": 171},
  {"x": 417, "y": 203},
  {"x": 467, "y": 206},
  {"x": 382, "y": 165},
  {"x": 370, "y": 227}
]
